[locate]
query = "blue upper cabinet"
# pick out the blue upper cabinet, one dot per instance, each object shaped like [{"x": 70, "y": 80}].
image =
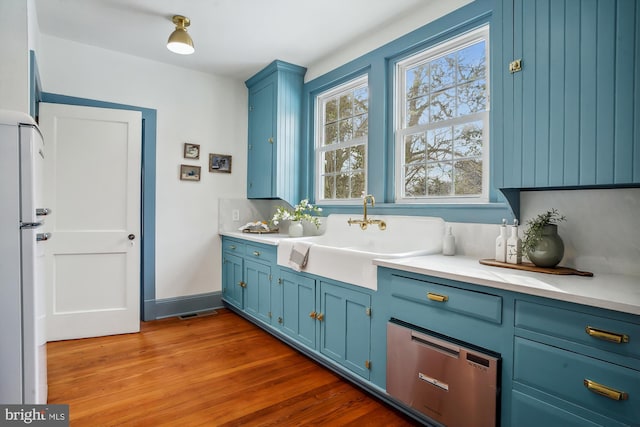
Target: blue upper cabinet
[
  {"x": 275, "y": 130},
  {"x": 571, "y": 116}
]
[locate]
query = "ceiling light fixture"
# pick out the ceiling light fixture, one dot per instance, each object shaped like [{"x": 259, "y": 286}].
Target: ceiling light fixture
[{"x": 179, "y": 41}]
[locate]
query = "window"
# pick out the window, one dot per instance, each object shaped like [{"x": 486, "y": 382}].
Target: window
[
  {"x": 342, "y": 128},
  {"x": 442, "y": 122}
]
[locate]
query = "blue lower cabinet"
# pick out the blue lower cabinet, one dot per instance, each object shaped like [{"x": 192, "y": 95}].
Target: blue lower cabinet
[
  {"x": 257, "y": 296},
  {"x": 232, "y": 279},
  {"x": 345, "y": 327},
  {"x": 299, "y": 308}
]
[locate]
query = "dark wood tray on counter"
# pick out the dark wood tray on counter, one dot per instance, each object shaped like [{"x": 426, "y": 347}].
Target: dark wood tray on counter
[
  {"x": 274, "y": 231},
  {"x": 527, "y": 266}
]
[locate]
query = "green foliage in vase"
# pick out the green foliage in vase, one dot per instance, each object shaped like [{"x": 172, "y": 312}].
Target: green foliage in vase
[{"x": 534, "y": 231}]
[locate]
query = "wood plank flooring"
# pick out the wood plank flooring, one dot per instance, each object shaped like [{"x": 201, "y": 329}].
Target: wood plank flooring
[{"x": 217, "y": 370}]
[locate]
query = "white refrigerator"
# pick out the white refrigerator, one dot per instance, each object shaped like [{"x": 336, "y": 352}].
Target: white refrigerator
[{"x": 23, "y": 354}]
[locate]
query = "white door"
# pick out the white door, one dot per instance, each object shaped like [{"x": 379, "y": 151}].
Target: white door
[{"x": 92, "y": 185}]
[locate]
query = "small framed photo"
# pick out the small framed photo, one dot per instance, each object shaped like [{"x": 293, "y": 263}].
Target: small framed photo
[
  {"x": 219, "y": 163},
  {"x": 189, "y": 173},
  {"x": 191, "y": 151}
]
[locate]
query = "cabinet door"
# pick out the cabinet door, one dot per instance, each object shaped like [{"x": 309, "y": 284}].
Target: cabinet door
[
  {"x": 345, "y": 328},
  {"x": 257, "y": 295},
  {"x": 299, "y": 308},
  {"x": 232, "y": 279},
  {"x": 260, "y": 176},
  {"x": 568, "y": 116}
]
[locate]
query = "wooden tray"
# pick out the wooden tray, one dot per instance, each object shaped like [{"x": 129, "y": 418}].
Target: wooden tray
[
  {"x": 527, "y": 266},
  {"x": 260, "y": 231}
]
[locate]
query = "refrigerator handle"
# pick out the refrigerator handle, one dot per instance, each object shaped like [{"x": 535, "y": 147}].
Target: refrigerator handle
[{"x": 41, "y": 237}]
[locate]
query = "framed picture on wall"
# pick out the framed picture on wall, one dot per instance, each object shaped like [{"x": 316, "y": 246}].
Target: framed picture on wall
[
  {"x": 189, "y": 173},
  {"x": 191, "y": 151},
  {"x": 219, "y": 163}
]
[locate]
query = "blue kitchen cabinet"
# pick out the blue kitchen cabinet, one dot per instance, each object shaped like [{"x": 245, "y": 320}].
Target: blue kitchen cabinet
[
  {"x": 257, "y": 293},
  {"x": 575, "y": 363},
  {"x": 345, "y": 328},
  {"x": 299, "y": 307},
  {"x": 275, "y": 132},
  {"x": 232, "y": 271},
  {"x": 570, "y": 117}
]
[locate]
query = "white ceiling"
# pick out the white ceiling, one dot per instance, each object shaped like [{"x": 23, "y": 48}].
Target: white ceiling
[{"x": 233, "y": 38}]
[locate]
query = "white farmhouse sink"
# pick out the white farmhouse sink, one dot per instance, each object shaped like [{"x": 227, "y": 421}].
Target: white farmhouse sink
[{"x": 346, "y": 252}]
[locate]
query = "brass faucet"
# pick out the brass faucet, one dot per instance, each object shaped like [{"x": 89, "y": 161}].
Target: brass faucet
[{"x": 366, "y": 221}]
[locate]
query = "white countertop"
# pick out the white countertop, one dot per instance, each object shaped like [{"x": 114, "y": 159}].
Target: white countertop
[{"x": 611, "y": 291}]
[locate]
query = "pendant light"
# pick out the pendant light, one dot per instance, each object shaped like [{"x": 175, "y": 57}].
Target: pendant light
[{"x": 179, "y": 41}]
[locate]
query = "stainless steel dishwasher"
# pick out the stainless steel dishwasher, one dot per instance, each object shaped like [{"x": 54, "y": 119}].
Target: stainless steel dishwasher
[{"x": 455, "y": 385}]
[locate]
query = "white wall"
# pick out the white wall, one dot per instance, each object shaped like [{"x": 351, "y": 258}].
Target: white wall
[
  {"x": 192, "y": 107},
  {"x": 14, "y": 51}
]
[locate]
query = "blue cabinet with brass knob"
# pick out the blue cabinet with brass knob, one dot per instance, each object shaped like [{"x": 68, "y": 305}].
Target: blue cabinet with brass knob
[{"x": 275, "y": 132}]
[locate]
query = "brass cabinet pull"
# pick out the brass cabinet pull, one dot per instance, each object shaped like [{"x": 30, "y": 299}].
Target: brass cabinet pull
[
  {"x": 605, "y": 391},
  {"x": 256, "y": 253},
  {"x": 606, "y": 335},
  {"x": 312, "y": 314},
  {"x": 270, "y": 140},
  {"x": 242, "y": 284},
  {"x": 436, "y": 297},
  {"x": 320, "y": 317}
]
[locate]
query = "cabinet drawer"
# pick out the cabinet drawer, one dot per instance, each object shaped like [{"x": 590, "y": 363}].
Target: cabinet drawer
[
  {"x": 470, "y": 303},
  {"x": 579, "y": 327},
  {"x": 530, "y": 412},
  {"x": 259, "y": 252},
  {"x": 233, "y": 246},
  {"x": 563, "y": 374}
]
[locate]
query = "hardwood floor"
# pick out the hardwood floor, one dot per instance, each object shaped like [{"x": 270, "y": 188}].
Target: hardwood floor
[{"x": 217, "y": 370}]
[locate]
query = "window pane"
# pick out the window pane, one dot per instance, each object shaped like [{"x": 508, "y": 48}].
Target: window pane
[
  {"x": 468, "y": 177},
  {"x": 414, "y": 148},
  {"x": 468, "y": 140},
  {"x": 357, "y": 157},
  {"x": 329, "y": 185},
  {"x": 417, "y": 112},
  {"x": 361, "y": 100},
  {"x": 342, "y": 186},
  {"x": 346, "y": 130},
  {"x": 330, "y": 134},
  {"x": 471, "y": 62},
  {"x": 331, "y": 111},
  {"x": 439, "y": 144},
  {"x": 439, "y": 179},
  {"x": 442, "y": 72},
  {"x": 329, "y": 162},
  {"x": 357, "y": 185},
  {"x": 443, "y": 105},
  {"x": 472, "y": 97},
  {"x": 415, "y": 181},
  {"x": 417, "y": 81},
  {"x": 346, "y": 109},
  {"x": 342, "y": 160},
  {"x": 360, "y": 125}
]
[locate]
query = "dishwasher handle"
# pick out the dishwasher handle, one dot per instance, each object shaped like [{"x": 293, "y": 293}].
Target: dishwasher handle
[{"x": 439, "y": 345}]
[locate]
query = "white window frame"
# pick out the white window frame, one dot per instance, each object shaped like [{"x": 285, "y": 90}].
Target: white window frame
[
  {"x": 335, "y": 92},
  {"x": 457, "y": 43}
]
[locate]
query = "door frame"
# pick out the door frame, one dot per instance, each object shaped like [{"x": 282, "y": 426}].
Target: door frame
[{"x": 147, "y": 194}]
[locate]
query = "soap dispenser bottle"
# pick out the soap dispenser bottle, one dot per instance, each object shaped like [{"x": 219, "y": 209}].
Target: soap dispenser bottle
[
  {"x": 449, "y": 243},
  {"x": 514, "y": 245},
  {"x": 501, "y": 243}
]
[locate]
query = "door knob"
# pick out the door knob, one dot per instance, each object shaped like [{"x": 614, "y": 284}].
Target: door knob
[{"x": 132, "y": 236}]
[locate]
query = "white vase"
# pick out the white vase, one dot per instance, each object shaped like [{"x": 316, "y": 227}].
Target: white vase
[{"x": 295, "y": 229}]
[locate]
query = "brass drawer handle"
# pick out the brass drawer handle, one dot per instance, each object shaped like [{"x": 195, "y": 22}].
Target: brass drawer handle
[
  {"x": 605, "y": 391},
  {"x": 256, "y": 253},
  {"x": 606, "y": 335},
  {"x": 438, "y": 298}
]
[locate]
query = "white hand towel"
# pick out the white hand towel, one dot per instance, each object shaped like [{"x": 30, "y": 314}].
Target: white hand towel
[{"x": 299, "y": 255}]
